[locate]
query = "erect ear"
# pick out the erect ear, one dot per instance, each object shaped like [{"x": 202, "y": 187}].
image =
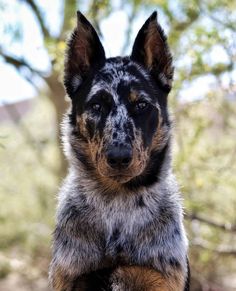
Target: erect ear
[
  {"x": 84, "y": 51},
  {"x": 152, "y": 51}
]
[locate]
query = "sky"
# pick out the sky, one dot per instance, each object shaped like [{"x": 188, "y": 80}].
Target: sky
[{"x": 14, "y": 87}]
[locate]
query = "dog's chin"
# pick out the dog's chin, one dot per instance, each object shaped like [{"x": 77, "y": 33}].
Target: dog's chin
[{"x": 118, "y": 178}]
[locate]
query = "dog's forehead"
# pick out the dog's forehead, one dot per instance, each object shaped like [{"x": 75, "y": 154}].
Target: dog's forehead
[{"x": 115, "y": 73}]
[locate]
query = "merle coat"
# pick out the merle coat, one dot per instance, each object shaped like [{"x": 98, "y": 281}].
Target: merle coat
[{"x": 119, "y": 219}]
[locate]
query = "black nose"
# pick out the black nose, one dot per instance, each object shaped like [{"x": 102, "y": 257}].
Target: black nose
[{"x": 119, "y": 157}]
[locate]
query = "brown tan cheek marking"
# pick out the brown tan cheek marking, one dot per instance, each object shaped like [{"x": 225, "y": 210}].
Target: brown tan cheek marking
[
  {"x": 102, "y": 164},
  {"x": 59, "y": 281},
  {"x": 94, "y": 148},
  {"x": 94, "y": 144},
  {"x": 102, "y": 161},
  {"x": 140, "y": 156},
  {"x": 81, "y": 123},
  {"x": 91, "y": 147},
  {"x": 160, "y": 136},
  {"x": 146, "y": 279},
  {"x": 133, "y": 97}
]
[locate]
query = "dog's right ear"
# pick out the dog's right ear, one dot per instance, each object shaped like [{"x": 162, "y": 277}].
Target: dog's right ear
[
  {"x": 84, "y": 51},
  {"x": 151, "y": 50}
]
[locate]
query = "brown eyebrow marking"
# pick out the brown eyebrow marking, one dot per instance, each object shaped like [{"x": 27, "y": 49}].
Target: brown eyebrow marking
[{"x": 133, "y": 96}]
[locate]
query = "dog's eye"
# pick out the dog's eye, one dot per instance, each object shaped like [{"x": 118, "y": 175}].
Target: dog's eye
[
  {"x": 141, "y": 105},
  {"x": 96, "y": 107}
]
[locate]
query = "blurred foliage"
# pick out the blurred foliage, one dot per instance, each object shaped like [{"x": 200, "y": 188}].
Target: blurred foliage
[
  {"x": 202, "y": 37},
  {"x": 205, "y": 164},
  {"x": 27, "y": 192}
]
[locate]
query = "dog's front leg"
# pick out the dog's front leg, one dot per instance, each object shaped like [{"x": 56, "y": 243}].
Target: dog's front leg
[
  {"x": 72, "y": 257},
  {"x": 60, "y": 280}
]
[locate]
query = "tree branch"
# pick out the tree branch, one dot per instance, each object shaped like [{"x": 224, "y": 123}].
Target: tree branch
[
  {"x": 131, "y": 19},
  {"x": 69, "y": 12},
  {"x": 18, "y": 63},
  {"x": 221, "y": 250},
  {"x": 94, "y": 11},
  {"x": 225, "y": 227},
  {"x": 210, "y": 14},
  {"x": 38, "y": 16}
]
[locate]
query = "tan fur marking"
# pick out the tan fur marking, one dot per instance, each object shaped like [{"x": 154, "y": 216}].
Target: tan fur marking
[
  {"x": 160, "y": 137},
  {"x": 82, "y": 45},
  {"x": 59, "y": 281},
  {"x": 133, "y": 97},
  {"x": 135, "y": 278},
  {"x": 155, "y": 47},
  {"x": 140, "y": 156}
]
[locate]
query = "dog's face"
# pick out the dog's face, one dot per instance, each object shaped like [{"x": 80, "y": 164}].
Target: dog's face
[{"x": 119, "y": 105}]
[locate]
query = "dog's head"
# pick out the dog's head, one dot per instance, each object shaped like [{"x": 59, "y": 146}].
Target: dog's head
[{"x": 119, "y": 115}]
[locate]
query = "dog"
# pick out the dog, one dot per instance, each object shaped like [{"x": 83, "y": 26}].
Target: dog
[{"x": 119, "y": 218}]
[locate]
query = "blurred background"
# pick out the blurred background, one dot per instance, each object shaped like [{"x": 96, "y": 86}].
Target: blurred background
[{"x": 202, "y": 37}]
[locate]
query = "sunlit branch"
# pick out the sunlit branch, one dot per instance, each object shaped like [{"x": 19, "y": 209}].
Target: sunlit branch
[
  {"x": 18, "y": 63},
  {"x": 222, "y": 226},
  {"x": 226, "y": 251},
  {"x": 94, "y": 10},
  {"x": 39, "y": 17},
  {"x": 131, "y": 19},
  {"x": 69, "y": 10}
]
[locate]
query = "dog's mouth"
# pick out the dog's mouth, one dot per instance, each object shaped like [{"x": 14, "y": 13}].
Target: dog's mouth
[
  {"x": 120, "y": 178},
  {"x": 116, "y": 176}
]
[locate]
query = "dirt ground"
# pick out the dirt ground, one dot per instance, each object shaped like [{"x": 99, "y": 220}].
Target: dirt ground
[{"x": 18, "y": 283}]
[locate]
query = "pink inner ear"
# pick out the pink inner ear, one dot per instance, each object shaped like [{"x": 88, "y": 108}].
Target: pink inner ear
[
  {"x": 82, "y": 47},
  {"x": 158, "y": 57},
  {"x": 155, "y": 48}
]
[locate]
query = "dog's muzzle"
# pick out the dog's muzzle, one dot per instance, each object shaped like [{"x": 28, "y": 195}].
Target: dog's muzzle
[{"x": 119, "y": 157}]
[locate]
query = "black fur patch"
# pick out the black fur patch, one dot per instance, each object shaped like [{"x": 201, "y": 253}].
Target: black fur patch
[
  {"x": 140, "y": 202},
  {"x": 151, "y": 173},
  {"x": 99, "y": 281}
]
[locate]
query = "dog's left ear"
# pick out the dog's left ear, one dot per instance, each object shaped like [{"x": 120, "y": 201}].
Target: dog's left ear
[
  {"x": 84, "y": 51},
  {"x": 151, "y": 50}
]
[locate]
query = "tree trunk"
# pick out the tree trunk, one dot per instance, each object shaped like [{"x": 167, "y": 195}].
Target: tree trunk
[{"x": 57, "y": 97}]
